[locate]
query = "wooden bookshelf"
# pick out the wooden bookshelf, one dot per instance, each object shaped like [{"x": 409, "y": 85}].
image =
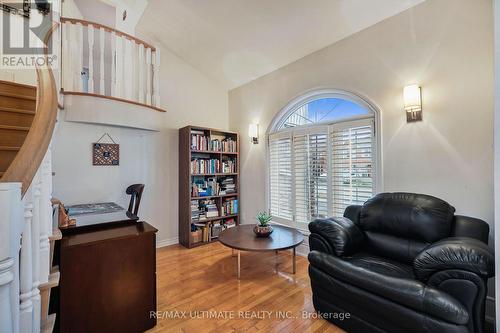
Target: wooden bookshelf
[{"x": 187, "y": 177}]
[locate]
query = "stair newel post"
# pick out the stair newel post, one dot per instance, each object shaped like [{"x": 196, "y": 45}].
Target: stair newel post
[
  {"x": 26, "y": 267},
  {"x": 10, "y": 217},
  {"x": 45, "y": 217},
  {"x": 148, "y": 76},
  {"x": 156, "y": 82},
  {"x": 35, "y": 248},
  {"x": 90, "y": 36}
]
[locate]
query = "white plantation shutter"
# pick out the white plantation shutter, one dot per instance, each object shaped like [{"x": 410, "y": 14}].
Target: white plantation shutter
[
  {"x": 352, "y": 146},
  {"x": 310, "y": 161},
  {"x": 280, "y": 176},
  {"x": 316, "y": 171}
]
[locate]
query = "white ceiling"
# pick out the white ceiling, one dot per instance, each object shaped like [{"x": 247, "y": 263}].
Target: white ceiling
[{"x": 236, "y": 41}]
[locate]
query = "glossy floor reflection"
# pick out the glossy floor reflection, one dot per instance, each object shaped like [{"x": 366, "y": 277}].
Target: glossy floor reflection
[{"x": 198, "y": 292}]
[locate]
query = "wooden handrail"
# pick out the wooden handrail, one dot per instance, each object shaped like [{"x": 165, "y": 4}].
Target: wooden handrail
[
  {"x": 108, "y": 29},
  {"x": 29, "y": 158}
]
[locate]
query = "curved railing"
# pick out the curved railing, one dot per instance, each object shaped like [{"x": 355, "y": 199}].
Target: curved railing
[
  {"x": 89, "y": 47},
  {"x": 27, "y": 161}
]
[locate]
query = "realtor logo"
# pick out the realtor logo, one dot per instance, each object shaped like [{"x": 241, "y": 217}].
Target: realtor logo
[{"x": 26, "y": 29}]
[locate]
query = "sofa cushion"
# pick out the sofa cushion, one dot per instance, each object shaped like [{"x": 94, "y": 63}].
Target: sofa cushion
[
  {"x": 381, "y": 265},
  {"x": 404, "y": 291},
  {"x": 407, "y": 215}
]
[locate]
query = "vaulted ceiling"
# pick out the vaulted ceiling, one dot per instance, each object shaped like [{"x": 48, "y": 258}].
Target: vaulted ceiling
[{"x": 236, "y": 41}]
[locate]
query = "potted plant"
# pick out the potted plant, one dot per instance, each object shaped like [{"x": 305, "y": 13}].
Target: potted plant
[{"x": 263, "y": 229}]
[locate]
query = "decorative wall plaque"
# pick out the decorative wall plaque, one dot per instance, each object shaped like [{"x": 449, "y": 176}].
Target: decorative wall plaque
[{"x": 105, "y": 153}]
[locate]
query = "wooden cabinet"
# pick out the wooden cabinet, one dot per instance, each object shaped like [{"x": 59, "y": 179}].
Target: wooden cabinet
[{"x": 108, "y": 279}]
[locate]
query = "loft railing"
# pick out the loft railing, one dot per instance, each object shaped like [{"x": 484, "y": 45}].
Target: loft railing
[{"x": 104, "y": 62}]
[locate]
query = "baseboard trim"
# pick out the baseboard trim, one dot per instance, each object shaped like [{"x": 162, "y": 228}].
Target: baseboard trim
[{"x": 167, "y": 242}]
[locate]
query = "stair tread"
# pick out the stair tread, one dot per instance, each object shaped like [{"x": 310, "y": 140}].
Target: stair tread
[
  {"x": 14, "y": 128},
  {"x": 56, "y": 235},
  {"x": 53, "y": 281},
  {"x": 6, "y": 94},
  {"x": 48, "y": 325},
  {"x": 10, "y": 83},
  {"x": 9, "y": 148},
  {"x": 15, "y": 110}
]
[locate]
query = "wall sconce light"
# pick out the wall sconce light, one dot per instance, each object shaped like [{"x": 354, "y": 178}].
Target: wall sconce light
[
  {"x": 253, "y": 133},
  {"x": 413, "y": 103}
]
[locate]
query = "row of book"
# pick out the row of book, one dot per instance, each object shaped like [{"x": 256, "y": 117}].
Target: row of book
[
  {"x": 227, "y": 186},
  {"x": 207, "y": 232},
  {"x": 230, "y": 207},
  {"x": 200, "y": 141},
  {"x": 229, "y": 166},
  {"x": 200, "y": 166},
  {"x": 206, "y": 187},
  {"x": 207, "y": 209}
]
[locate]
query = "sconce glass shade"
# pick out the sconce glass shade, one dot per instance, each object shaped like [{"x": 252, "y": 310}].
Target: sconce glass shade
[
  {"x": 253, "y": 132},
  {"x": 412, "y": 98}
]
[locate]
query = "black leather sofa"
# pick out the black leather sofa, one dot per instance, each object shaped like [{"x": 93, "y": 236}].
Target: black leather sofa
[{"x": 402, "y": 262}]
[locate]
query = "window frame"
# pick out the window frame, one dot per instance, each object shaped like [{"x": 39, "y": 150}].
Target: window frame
[{"x": 281, "y": 117}]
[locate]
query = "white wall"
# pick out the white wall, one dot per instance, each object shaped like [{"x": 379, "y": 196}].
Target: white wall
[
  {"x": 146, "y": 157},
  {"x": 444, "y": 45}
]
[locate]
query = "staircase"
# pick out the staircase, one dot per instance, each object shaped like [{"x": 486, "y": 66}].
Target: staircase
[
  {"x": 17, "y": 110},
  {"x": 27, "y": 120}
]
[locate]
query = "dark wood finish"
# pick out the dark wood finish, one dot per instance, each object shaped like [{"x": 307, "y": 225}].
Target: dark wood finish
[
  {"x": 185, "y": 178},
  {"x": 135, "y": 192},
  {"x": 118, "y": 99},
  {"x": 243, "y": 238},
  {"x": 89, "y": 222},
  {"x": 108, "y": 279}
]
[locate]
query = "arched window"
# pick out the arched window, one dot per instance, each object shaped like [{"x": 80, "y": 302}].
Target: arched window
[{"x": 322, "y": 157}]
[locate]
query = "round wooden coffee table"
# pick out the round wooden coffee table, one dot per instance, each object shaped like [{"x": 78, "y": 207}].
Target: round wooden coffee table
[{"x": 242, "y": 238}]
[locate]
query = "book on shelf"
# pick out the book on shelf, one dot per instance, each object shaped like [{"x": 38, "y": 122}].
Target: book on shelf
[
  {"x": 204, "y": 165},
  {"x": 229, "y": 223},
  {"x": 227, "y": 185},
  {"x": 199, "y": 141},
  {"x": 205, "y": 187},
  {"x": 229, "y": 166},
  {"x": 229, "y": 207},
  {"x": 229, "y": 145},
  {"x": 209, "y": 209}
]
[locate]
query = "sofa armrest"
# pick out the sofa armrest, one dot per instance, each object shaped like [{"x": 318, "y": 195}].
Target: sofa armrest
[
  {"x": 353, "y": 213},
  {"x": 409, "y": 293},
  {"x": 460, "y": 253},
  {"x": 342, "y": 236}
]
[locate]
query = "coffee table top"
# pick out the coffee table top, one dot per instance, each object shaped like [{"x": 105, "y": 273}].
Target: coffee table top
[{"x": 243, "y": 238}]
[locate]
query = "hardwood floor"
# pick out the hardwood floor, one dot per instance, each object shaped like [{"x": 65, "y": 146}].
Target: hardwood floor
[{"x": 202, "y": 282}]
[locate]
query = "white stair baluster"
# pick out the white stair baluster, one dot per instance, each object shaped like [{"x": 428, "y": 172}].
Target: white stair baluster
[
  {"x": 101, "y": 57},
  {"x": 35, "y": 248},
  {"x": 113, "y": 64},
  {"x": 26, "y": 274},
  {"x": 90, "y": 34},
  {"x": 148, "y": 76},
  {"x": 10, "y": 224},
  {"x": 45, "y": 217},
  {"x": 119, "y": 67},
  {"x": 156, "y": 82},
  {"x": 141, "y": 73},
  {"x": 79, "y": 56}
]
